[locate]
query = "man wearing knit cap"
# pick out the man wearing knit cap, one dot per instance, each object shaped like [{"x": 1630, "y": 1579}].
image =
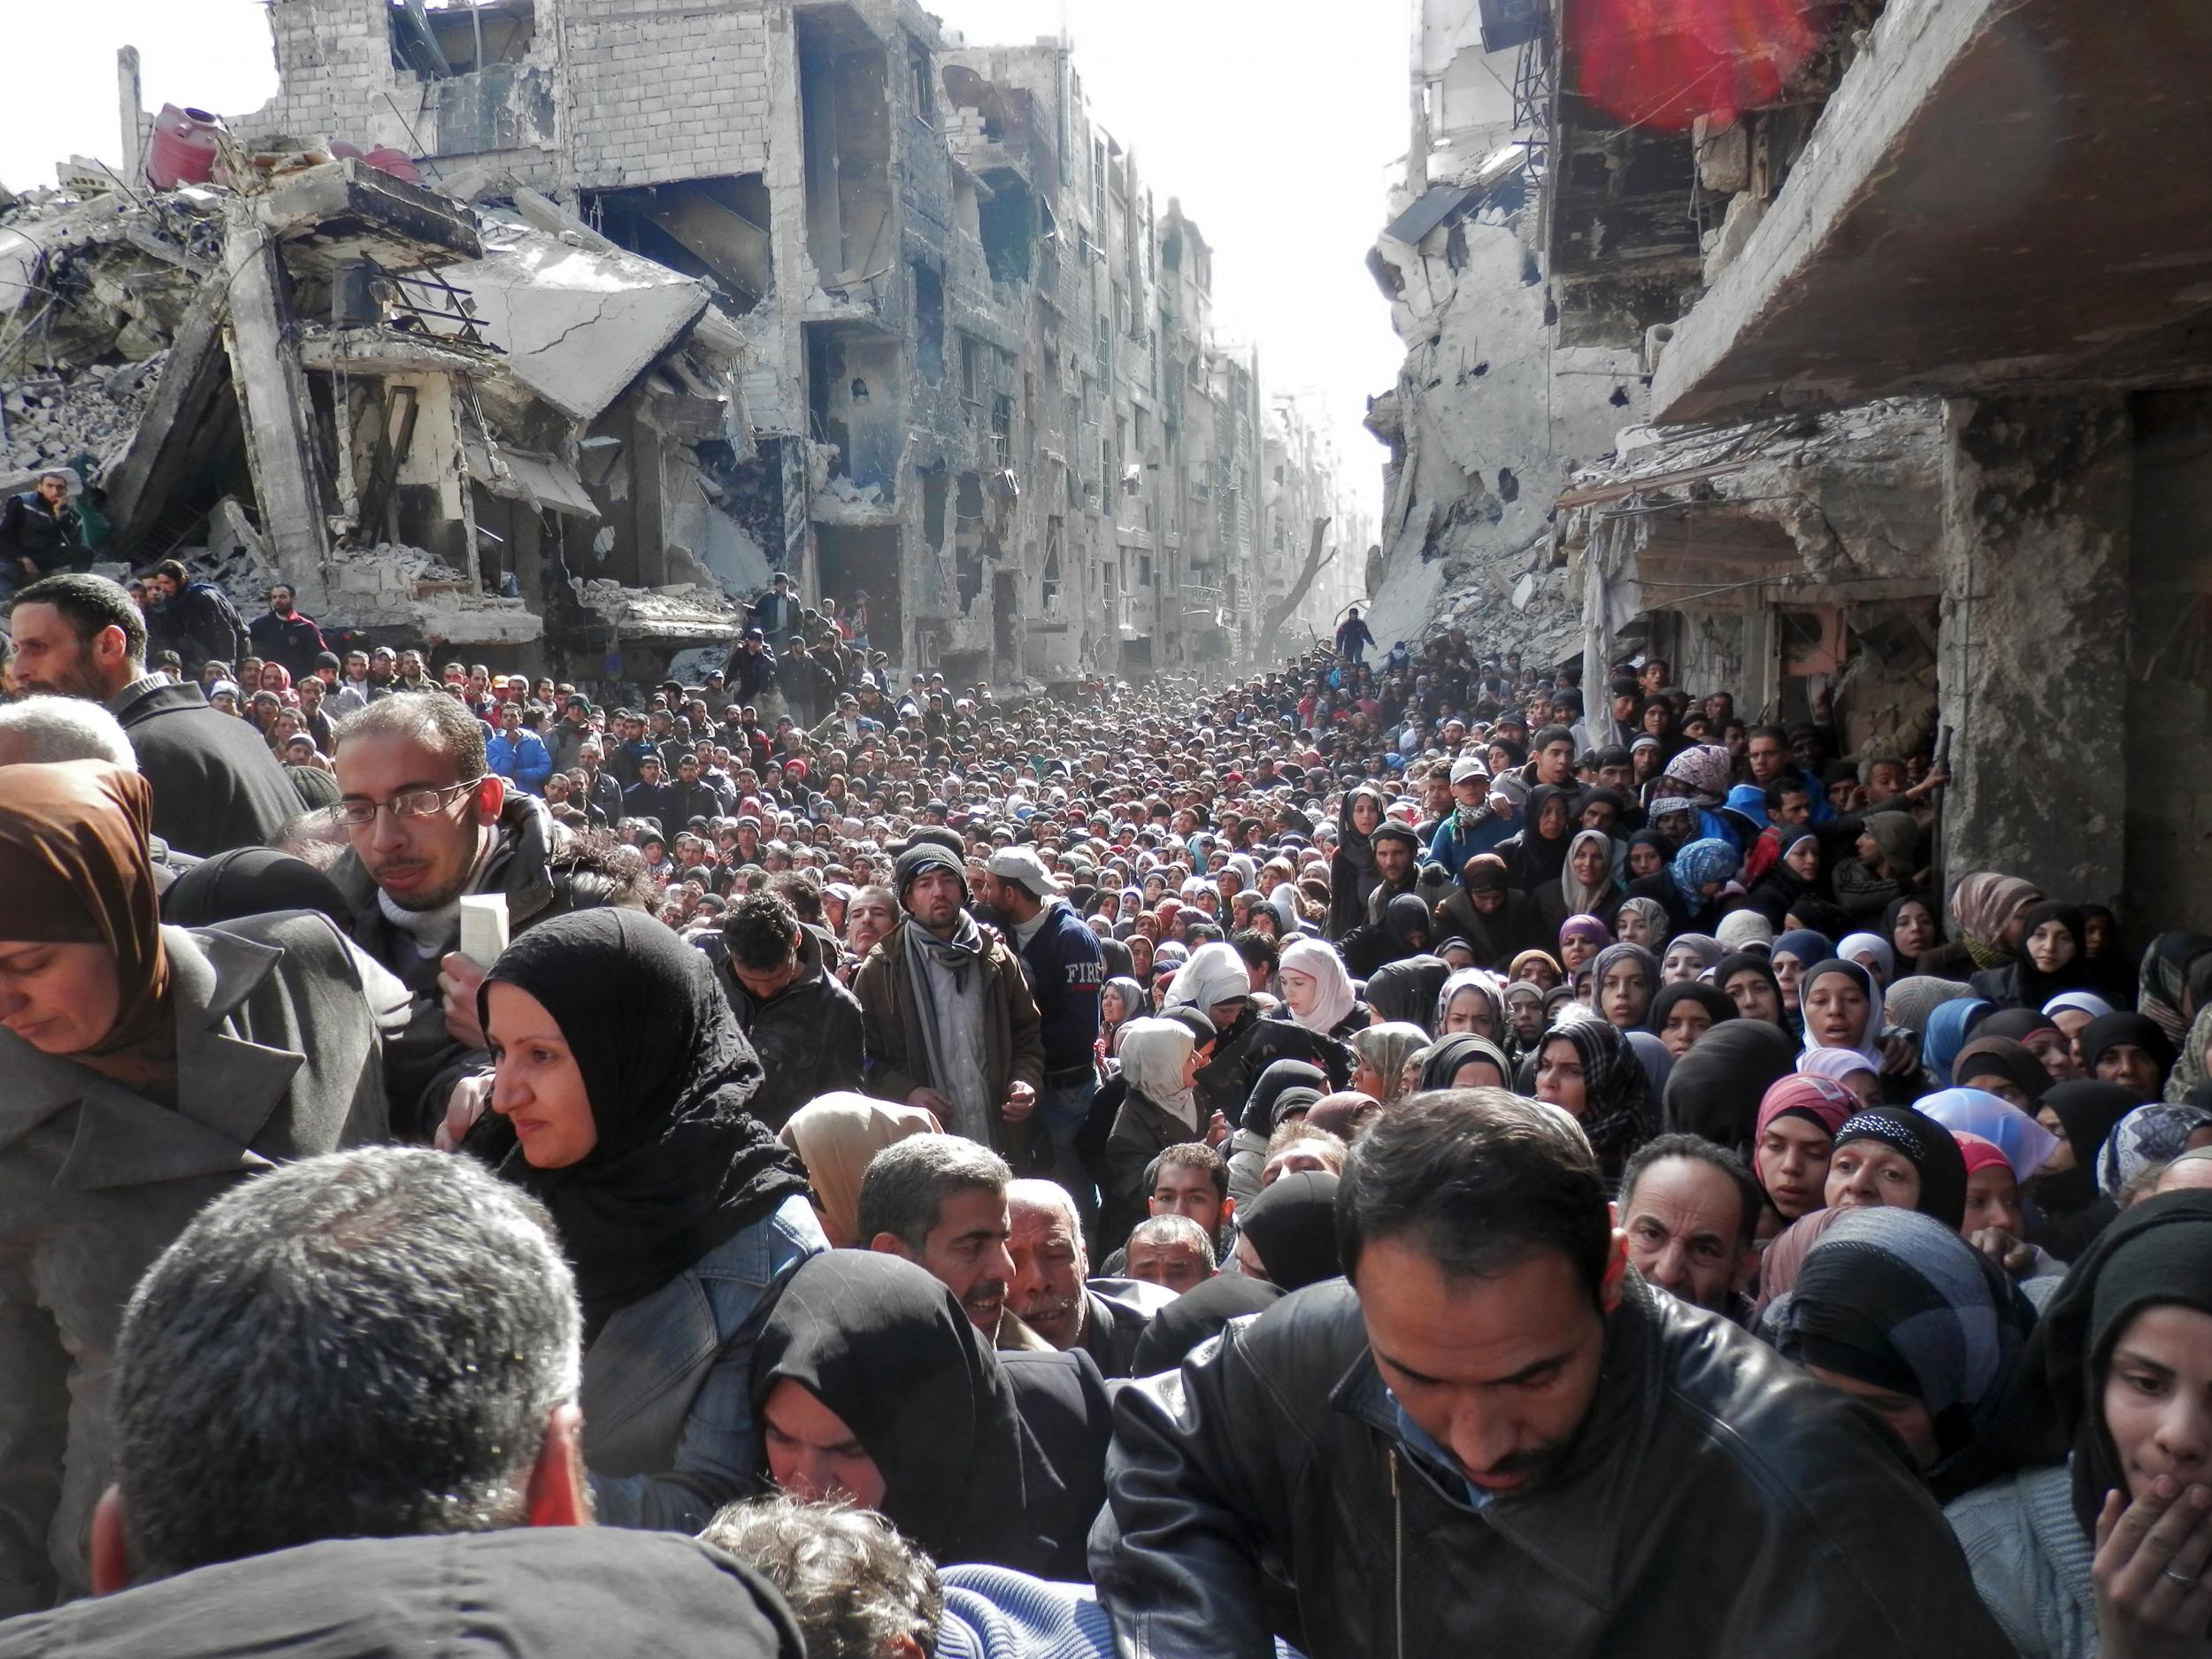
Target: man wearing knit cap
[{"x": 947, "y": 1019}]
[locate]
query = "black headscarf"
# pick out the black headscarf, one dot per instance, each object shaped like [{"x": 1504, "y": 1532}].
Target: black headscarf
[
  {"x": 1441, "y": 1064},
  {"x": 1198, "y": 1314},
  {"x": 2033, "y": 987},
  {"x": 1292, "y": 1226},
  {"x": 2160, "y": 1250},
  {"x": 681, "y": 1165},
  {"x": 1711, "y": 998},
  {"x": 1407, "y": 989},
  {"x": 2109, "y": 1029},
  {"x": 251, "y": 882},
  {"x": 1259, "y": 1106},
  {"x": 1534, "y": 862},
  {"x": 887, "y": 1347},
  {"x": 1715, "y": 1089},
  {"x": 2090, "y": 1111},
  {"x": 1930, "y": 1147},
  {"x": 1728, "y": 967}
]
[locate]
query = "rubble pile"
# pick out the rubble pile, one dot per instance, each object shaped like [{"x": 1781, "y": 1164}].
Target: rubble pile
[
  {"x": 316, "y": 372},
  {"x": 85, "y": 415}
]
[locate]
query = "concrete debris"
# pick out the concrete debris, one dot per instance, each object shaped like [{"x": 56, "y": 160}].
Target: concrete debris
[
  {"x": 58, "y": 420},
  {"x": 439, "y": 411}
]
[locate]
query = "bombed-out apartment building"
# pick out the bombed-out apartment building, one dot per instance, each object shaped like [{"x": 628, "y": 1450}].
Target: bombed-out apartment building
[
  {"x": 1849, "y": 346},
  {"x": 547, "y": 328}
]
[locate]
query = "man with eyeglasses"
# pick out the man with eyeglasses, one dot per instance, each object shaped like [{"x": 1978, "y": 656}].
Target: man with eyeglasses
[{"x": 429, "y": 821}]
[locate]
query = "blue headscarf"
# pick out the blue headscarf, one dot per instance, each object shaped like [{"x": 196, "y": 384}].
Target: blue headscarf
[
  {"x": 1801, "y": 942},
  {"x": 1701, "y": 863},
  {"x": 1948, "y": 1028}
]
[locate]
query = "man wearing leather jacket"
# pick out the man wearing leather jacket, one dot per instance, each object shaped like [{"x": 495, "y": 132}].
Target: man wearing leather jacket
[{"x": 1496, "y": 1438}]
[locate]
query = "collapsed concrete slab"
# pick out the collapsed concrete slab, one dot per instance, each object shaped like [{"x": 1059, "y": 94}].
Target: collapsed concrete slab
[{"x": 578, "y": 325}]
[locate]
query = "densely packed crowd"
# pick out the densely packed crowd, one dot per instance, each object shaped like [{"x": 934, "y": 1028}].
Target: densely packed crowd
[{"x": 1372, "y": 1158}]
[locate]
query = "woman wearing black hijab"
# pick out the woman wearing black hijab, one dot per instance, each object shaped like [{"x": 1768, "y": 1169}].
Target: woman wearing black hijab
[
  {"x": 1894, "y": 1155},
  {"x": 870, "y": 1383},
  {"x": 1534, "y": 857},
  {"x": 623, "y": 1078},
  {"x": 1247, "y": 1148},
  {"x": 1407, "y": 989},
  {"x": 2113, "y": 1372},
  {"x": 2068, "y": 1210},
  {"x": 1286, "y": 1236},
  {"x": 2058, "y": 933},
  {"x": 1198, "y": 1314},
  {"x": 1715, "y": 1089}
]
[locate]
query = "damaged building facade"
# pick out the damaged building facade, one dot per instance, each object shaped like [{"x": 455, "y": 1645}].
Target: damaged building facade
[
  {"x": 1895, "y": 408},
  {"x": 687, "y": 295}
]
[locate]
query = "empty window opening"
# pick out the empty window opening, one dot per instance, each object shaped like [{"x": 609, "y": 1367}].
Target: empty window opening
[
  {"x": 929, "y": 321},
  {"x": 437, "y": 40}
]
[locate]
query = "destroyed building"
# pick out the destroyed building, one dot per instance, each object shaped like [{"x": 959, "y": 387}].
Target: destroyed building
[
  {"x": 685, "y": 295},
  {"x": 1906, "y": 357}
]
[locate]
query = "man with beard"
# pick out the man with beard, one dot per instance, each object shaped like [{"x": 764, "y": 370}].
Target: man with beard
[
  {"x": 1052, "y": 1293},
  {"x": 1495, "y": 1437},
  {"x": 1396, "y": 849},
  {"x": 281, "y": 635},
  {"x": 940, "y": 1201},
  {"x": 948, "y": 1020},
  {"x": 429, "y": 821},
  {"x": 217, "y": 787}
]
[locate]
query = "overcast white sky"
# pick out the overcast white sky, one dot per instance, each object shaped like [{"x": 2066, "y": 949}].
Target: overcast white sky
[{"x": 1276, "y": 122}]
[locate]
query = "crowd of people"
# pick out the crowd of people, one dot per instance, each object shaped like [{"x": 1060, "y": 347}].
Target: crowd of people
[{"x": 1371, "y": 1157}]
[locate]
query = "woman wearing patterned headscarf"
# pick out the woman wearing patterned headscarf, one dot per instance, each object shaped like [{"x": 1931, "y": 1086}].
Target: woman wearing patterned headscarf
[
  {"x": 1897, "y": 1310},
  {"x": 2150, "y": 1135},
  {"x": 2163, "y": 992},
  {"x": 1643, "y": 920},
  {"x": 1987, "y": 909},
  {"x": 1589, "y": 1070}
]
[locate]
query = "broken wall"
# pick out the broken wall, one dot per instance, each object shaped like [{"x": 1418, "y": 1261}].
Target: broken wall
[{"x": 1489, "y": 420}]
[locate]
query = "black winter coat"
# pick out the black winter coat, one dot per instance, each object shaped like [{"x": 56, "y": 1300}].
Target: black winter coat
[
  {"x": 217, "y": 787},
  {"x": 1716, "y": 1502},
  {"x": 807, "y": 1035}
]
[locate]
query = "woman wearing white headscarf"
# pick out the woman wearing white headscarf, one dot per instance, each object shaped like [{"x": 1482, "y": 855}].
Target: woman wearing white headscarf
[
  {"x": 1318, "y": 993},
  {"x": 1159, "y": 1059}
]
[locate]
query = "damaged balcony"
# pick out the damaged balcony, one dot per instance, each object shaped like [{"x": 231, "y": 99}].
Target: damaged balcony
[
  {"x": 478, "y": 94},
  {"x": 1974, "y": 215}
]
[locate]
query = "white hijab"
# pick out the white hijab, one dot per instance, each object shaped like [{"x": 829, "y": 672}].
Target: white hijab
[
  {"x": 1333, "y": 996},
  {"x": 1215, "y": 973},
  {"x": 1154, "y": 1053}
]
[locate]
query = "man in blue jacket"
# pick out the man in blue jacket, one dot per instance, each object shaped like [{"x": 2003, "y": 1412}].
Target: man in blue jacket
[
  {"x": 518, "y": 754},
  {"x": 1473, "y": 825},
  {"x": 1066, "y": 969}
]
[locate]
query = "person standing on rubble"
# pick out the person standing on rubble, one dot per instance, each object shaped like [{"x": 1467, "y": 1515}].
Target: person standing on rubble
[
  {"x": 40, "y": 533},
  {"x": 282, "y": 636},
  {"x": 195, "y": 619}
]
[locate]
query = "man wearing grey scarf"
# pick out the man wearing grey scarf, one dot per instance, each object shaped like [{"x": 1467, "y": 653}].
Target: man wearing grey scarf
[{"x": 948, "y": 1019}]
